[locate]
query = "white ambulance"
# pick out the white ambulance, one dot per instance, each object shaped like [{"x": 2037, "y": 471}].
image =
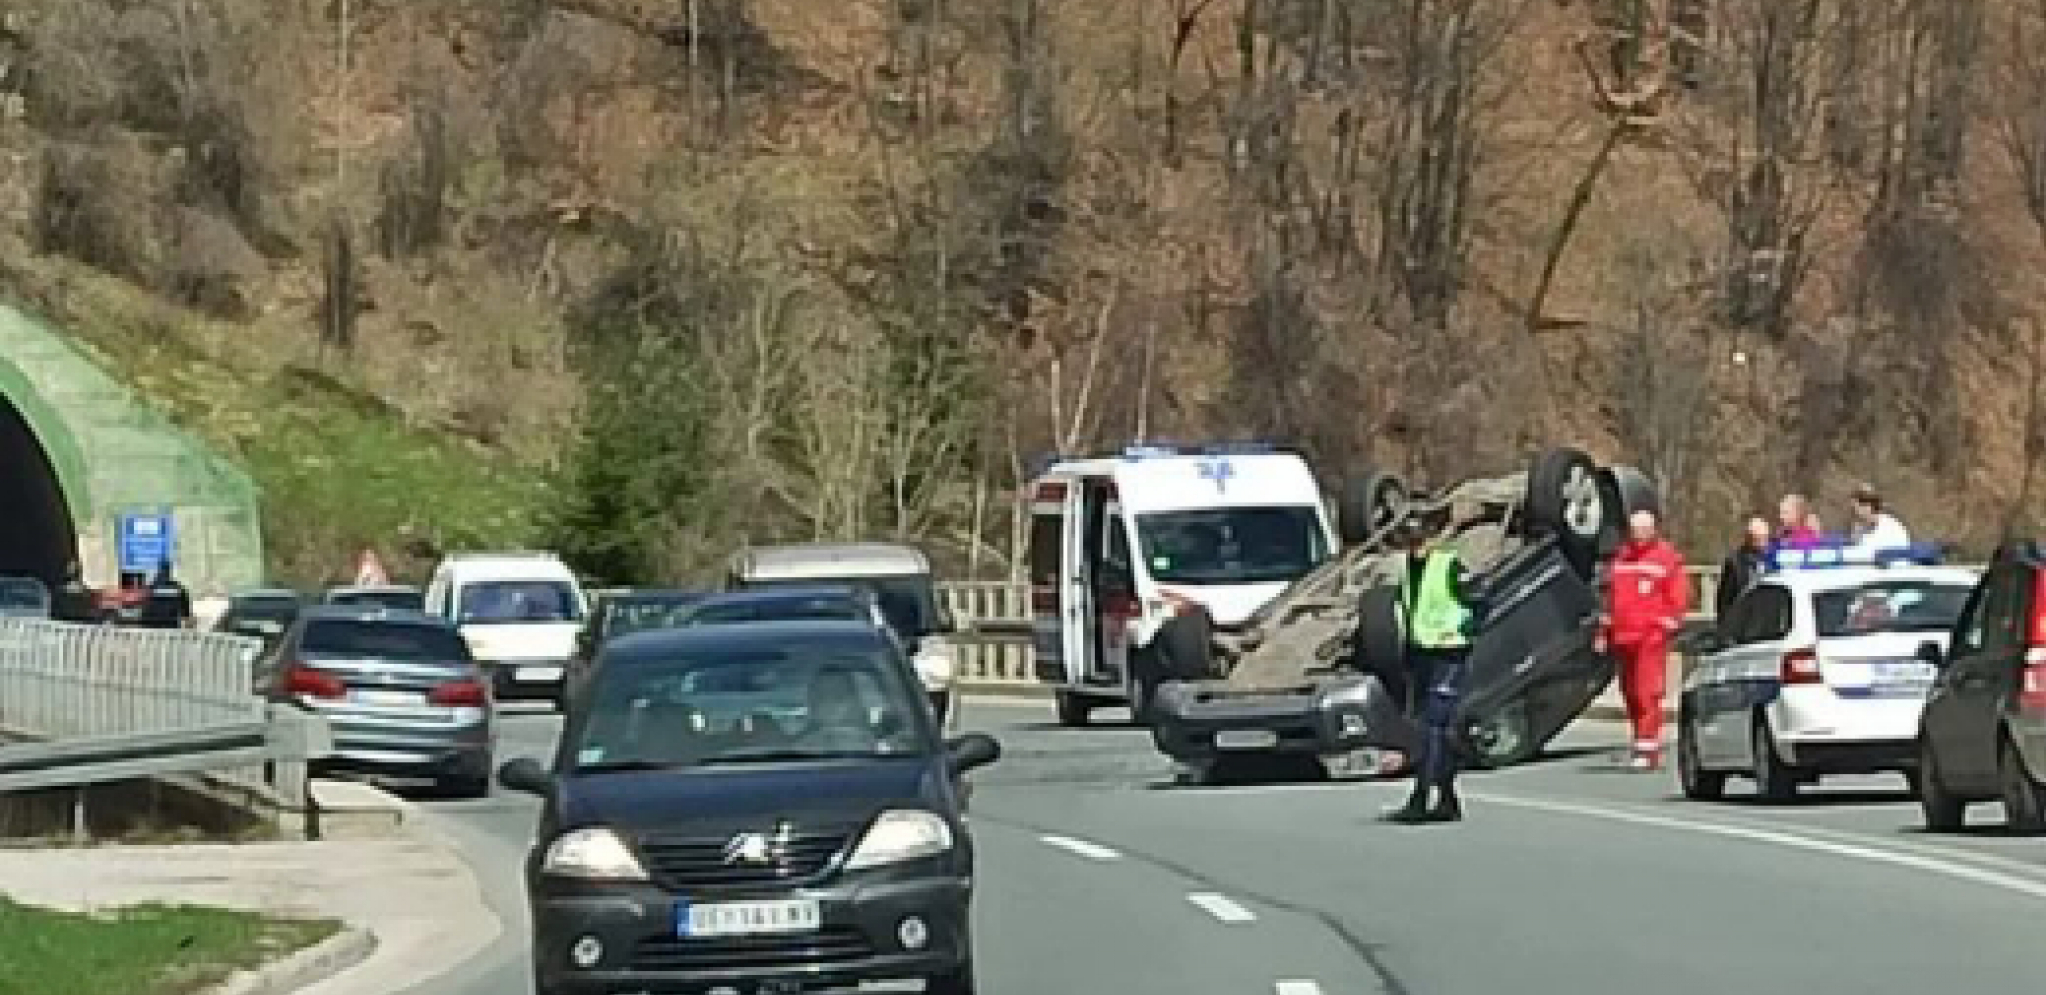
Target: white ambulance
[{"x": 1117, "y": 541}]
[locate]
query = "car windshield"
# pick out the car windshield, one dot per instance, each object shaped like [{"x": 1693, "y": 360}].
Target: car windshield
[
  {"x": 18, "y": 593},
  {"x": 757, "y": 705},
  {"x": 407, "y": 600},
  {"x": 407, "y": 642},
  {"x": 788, "y": 609},
  {"x": 1232, "y": 545},
  {"x": 908, "y": 601},
  {"x": 1889, "y": 606},
  {"x": 623, "y": 616},
  {"x": 490, "y": 601}
]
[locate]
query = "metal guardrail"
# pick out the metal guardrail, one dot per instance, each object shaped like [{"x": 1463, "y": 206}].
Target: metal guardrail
[{"x": 83, "y": 704}]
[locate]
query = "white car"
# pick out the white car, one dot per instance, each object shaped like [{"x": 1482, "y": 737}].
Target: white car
[{"x": 1815, "y": 671}]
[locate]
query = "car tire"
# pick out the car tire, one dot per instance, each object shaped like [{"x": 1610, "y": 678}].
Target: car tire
[
  {"x": 1502, "y": 739},
  {"x": 1636, "y": 490},
  {"x": 2024, "y": 799},
  {"x": 1372, "y": 501},
  {"x": 1184, "y": 648},
  {"x": 1775, "y": 781},
  {"x": 1699, "y": 784},
  {"x": 1944, "y": 811},
  {"x": 1074, "y": 709},
  {"x": 956, "y": 982},
  {"x": 1565, "y": 500}
]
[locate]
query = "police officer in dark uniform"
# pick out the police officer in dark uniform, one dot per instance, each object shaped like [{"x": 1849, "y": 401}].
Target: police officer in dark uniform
[
  {"x": 1441, "y": 609},
  {"x": 74, "y": 601},
  {"x": 168, "y": 605}
]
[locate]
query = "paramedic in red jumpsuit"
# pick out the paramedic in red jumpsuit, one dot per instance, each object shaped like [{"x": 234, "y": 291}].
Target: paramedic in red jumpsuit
[{"x": 1647, "y": 596}]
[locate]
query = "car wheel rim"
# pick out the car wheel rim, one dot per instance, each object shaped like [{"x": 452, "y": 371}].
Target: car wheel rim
[{"x": 1583, "y": 510}]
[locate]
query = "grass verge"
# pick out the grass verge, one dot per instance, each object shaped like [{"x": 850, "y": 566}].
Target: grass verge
[{"x": 140, "y": 950}]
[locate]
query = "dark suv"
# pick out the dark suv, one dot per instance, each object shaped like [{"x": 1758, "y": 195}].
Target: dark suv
[
  {"x": 1982, "y": 736},
  {"x": 761, "y": 807}
]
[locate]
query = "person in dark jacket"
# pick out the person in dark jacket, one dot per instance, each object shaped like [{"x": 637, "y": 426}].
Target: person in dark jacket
[
  {"x": 74, "y": 601},
  {"x": 1440, "y": 610},
  {"x": 1743, "y": 566},
  {"x": 166, "y": 605}
]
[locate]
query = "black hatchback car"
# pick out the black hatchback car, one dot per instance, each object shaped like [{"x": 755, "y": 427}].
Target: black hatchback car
[{"x": 761, "y": 808}]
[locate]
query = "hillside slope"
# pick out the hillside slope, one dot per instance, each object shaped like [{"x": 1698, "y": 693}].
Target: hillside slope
[{"x": 650, "y": 277}]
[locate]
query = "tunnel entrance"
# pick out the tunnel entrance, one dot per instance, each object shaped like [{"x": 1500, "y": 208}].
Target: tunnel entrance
[{"x": 37, "y": 538}]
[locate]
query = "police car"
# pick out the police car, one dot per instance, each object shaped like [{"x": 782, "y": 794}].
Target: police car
[{"x": 1815, "y": 671}]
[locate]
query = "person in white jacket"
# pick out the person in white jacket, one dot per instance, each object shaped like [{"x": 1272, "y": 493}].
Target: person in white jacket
[{"x": 1875, "y": 530}]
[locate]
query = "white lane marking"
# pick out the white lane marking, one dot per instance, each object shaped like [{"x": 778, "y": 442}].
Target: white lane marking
[
  {"x": 1297, "y": 987},
  {"x": 1221, "y": 907},
  {"x": 1945, "y": 867},
  {"x": 1091, "y": 851}
]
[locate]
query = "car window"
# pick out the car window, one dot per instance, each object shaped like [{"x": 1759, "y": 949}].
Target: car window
[
  {"x": 1231, "y": 545},
  {"x": 1889, "y": 606},
  {"x": 404, "y": 641},
  {"x": 734, "y": 707},
  {"x": 778, "y": 609},
  {"x": 1765, "y": 615},
  {"x": 908, "y": 601},
  {"x": 629, "y": 615},
  {"x": 23, "y": 593},
  {"x": 502, "y": 601},
  {"x": 399, "y": 600}
]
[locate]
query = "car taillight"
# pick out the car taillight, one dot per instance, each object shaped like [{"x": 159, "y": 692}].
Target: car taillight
[
  {"x": 467, "y": 693},
  {"x": 306, "y": 682},
  {"x": 1801, "y": 666},
  {"x": 2032, "y": 680}
]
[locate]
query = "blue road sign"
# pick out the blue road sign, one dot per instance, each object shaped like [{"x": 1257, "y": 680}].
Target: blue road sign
[{"x": 146, "y": 540}]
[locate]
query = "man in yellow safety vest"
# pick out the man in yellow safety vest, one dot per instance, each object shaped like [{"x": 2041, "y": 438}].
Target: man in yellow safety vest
[{"x": 1439, "y": 611}]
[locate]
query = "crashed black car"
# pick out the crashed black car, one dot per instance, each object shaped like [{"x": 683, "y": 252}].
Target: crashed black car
[{"x": 1309, "y": 677}]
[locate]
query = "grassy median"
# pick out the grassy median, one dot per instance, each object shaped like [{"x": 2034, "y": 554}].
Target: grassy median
[{"x": 141, "y": 950}]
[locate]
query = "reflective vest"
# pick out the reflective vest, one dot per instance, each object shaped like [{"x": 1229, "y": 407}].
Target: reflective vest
[{"x": 1435, "y": 618}]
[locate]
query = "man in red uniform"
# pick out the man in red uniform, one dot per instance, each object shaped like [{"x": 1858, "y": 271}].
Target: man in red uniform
[{"x": 1647, "y": 596}]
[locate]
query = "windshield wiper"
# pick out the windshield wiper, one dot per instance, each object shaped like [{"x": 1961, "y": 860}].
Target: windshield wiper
[
  {"x": 783, "y": 756},
  {"x": 618, "y": 766}
]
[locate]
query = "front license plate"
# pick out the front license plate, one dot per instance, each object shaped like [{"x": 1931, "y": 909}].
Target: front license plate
[
  {"x": 537, "y": 674},
  {"x": 1246, "y": 739},
  {"x": 389, "y": 699},
  {"x": 795, "y": 915}
]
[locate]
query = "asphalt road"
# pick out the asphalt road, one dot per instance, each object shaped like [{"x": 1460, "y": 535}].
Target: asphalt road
[{"x": 1099, "y": 876}]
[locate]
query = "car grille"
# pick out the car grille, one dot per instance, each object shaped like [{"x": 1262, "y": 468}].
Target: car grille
[
  {"x": 836, "y": 945},
  {"x": 699, "y": 862}
]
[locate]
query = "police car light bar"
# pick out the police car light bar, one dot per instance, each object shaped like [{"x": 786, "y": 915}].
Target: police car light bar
[
  {"x": 1152, "y": 450},
  {"x": 1841, "y": 554}
]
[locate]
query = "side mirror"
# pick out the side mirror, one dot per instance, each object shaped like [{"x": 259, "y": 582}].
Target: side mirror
[
  {"x": 1930, "y": 652},
  {"x": 975, "y": 749},
  {"x": 525, "y": 774}
]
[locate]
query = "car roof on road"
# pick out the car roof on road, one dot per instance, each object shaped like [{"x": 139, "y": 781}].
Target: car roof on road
[
  {"x": 826, "y": 560},
  {"x": 663, "y": 644}
]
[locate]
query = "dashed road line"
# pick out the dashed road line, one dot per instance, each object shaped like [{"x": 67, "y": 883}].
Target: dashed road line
[
  {"x": 1081, "y": 848},
  {"x": 1297, "y": 987},
  {"x": 1222, "y": 907}
]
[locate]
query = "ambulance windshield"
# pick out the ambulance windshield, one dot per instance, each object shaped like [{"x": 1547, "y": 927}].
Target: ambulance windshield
[{"x": 1232, "y": 545}]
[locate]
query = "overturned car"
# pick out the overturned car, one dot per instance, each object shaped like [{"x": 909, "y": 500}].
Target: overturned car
[{"x": 1318, "y": 672}]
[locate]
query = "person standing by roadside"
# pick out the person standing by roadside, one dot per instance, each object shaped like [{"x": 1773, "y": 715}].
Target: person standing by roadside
[
  {"x": 1797, "y": 527},
  {"x": 369, "y": 569},
  {"x": 167, "y": 604},
  {"x": 74, "y": 601},
  {"x": 1647, "y": 596},
  {"x": 1441, "y": 611},
  {"x": 1875, "y": 530},
  {"x": 1743, "y": 566}
]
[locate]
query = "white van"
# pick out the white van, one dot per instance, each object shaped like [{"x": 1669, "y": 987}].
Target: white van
[
  {"x": 520, "y": 612},
  {"x": 1116, "y": 541},
  {"x": 903, "y": 588}
]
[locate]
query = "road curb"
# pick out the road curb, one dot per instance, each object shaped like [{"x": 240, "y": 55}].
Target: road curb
[
  {"x": 354, "y": 810},
  {"x": 302, "y": 969}
]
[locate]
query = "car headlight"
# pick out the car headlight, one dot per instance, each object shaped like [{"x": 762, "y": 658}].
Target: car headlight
[
  {"x": 1356, "y": 693},
  {"x": 592, "y": 854},
  {"x": 899, "y": 835}
]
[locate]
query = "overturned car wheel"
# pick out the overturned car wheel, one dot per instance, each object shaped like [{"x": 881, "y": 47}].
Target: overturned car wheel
[
  {"x": 1503, "y": 738},
  {"x": 1372, "y": 502},
  {"x": 1565, "y": 499}
]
